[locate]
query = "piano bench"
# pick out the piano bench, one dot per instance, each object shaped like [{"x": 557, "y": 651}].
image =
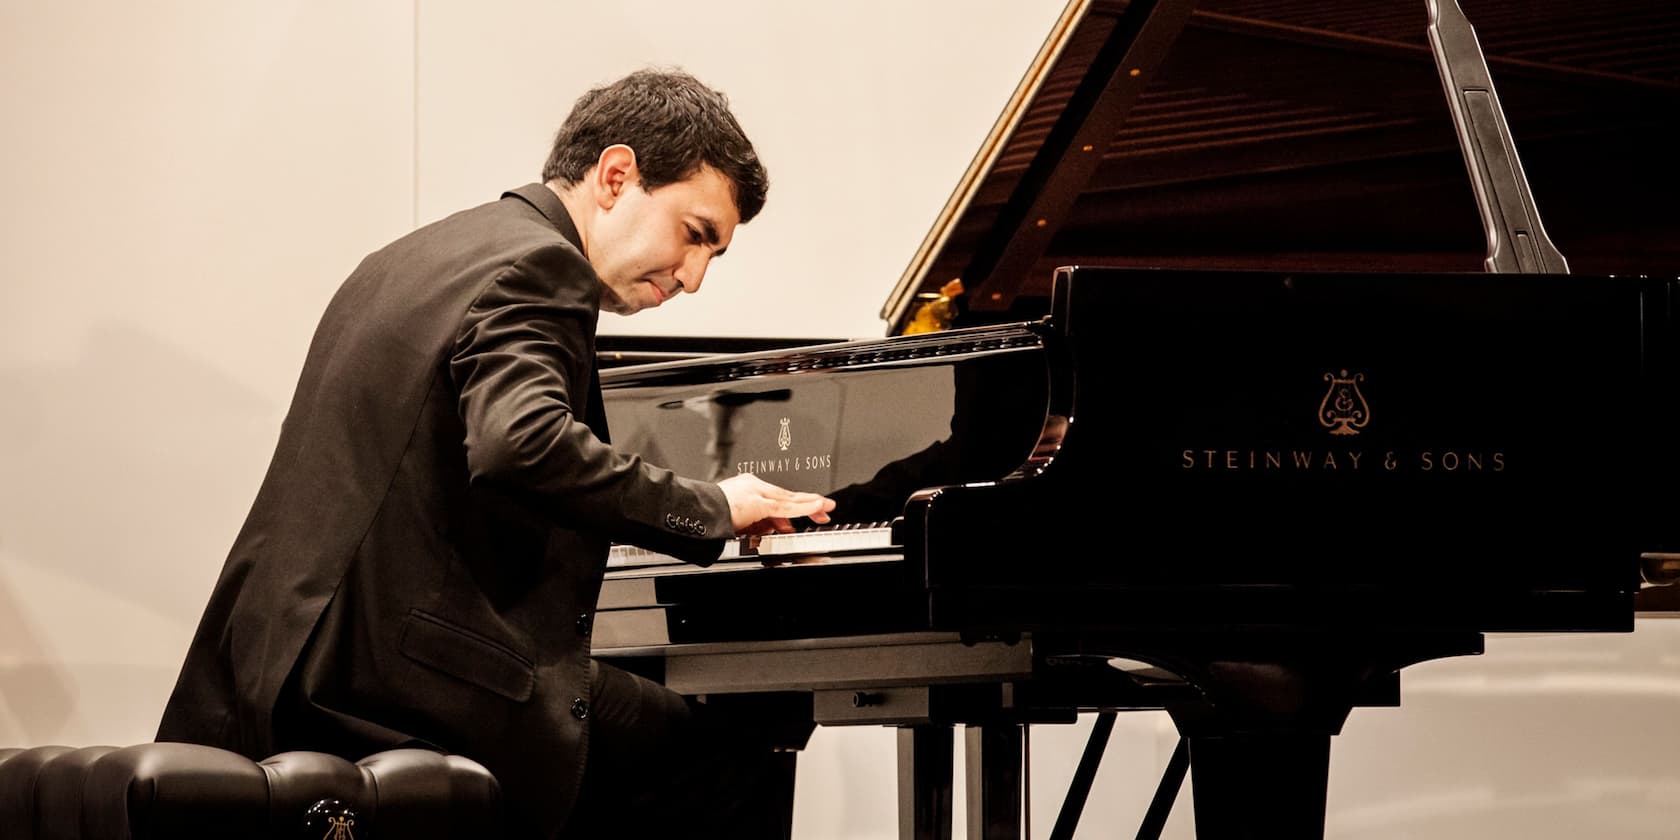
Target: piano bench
[{"x": 180, "y": 791}]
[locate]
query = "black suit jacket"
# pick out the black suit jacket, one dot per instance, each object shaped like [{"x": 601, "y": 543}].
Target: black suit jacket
[{"x": 422, "y": 560}]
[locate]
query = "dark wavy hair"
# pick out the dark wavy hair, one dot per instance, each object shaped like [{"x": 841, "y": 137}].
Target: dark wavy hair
[{"x": 675, "y": 124}]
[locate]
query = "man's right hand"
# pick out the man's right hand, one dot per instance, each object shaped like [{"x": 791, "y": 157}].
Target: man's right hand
[{"x": 759, "y": 507}]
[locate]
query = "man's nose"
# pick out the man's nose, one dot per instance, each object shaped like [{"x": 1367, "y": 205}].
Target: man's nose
[{"x": 692, "y": 272}]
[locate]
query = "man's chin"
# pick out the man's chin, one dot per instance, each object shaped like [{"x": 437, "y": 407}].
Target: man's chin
[{"x": 614, "y": 304}]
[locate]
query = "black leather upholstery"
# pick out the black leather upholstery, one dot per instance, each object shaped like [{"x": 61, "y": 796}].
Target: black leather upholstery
[{"x": 182, "y": 791}]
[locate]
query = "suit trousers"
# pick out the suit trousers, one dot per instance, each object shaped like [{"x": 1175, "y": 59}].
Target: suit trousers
[
  {"x": 665, "y": 766},
  {"x": 659, "y": 766}
]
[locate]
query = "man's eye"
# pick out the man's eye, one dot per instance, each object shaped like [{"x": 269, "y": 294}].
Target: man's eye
[{"x": 693, "y": 236}]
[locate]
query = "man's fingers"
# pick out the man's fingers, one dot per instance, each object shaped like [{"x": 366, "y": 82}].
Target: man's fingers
[
  {"x": 752, "y": 500},
  {"x": 799, "y": 504}
]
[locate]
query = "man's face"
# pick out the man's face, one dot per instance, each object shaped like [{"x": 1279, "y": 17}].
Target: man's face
[{"x": 652, "y": 245}]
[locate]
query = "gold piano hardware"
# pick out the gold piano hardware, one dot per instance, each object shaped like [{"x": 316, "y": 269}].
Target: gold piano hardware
[
  {"x": 936, "y": 311},
  {"x": 1660, "y": 568}
]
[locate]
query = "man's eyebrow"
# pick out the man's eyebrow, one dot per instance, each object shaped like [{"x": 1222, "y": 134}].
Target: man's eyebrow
[{"x": 708, "y": 232}]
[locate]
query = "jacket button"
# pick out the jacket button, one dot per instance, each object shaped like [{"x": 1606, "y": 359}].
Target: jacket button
[
  {"x": 580, "y": 708},
  {"x": 584, "y": 623}
]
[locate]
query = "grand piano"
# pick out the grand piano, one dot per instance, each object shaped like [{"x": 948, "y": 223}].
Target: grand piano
[{"x": 1117, "y": 451}]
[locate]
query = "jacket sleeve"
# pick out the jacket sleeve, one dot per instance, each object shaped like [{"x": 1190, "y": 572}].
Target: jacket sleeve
[{"x": 521, "y": 365}]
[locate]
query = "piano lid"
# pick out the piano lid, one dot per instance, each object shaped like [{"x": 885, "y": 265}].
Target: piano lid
[{"x": 1305, "y": 134}]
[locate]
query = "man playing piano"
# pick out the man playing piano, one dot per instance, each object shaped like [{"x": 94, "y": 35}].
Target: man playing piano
[{"x": 422, "y": 561}]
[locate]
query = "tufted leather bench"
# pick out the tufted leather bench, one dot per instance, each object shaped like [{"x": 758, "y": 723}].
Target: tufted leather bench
[{"x": 182, "y": 791}]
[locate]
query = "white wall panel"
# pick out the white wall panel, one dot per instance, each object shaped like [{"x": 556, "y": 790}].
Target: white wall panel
[
  {"x": 182, "y": 185},
  {"x": 865, "y": 113}
]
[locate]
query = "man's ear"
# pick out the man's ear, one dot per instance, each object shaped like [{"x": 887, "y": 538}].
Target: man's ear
[{"x": 614, "y": 172}]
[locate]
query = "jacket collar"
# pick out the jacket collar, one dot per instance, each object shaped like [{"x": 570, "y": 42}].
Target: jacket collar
[{"x": 547, "y": 203}]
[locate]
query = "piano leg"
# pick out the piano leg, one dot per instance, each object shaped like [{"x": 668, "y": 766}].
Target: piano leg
[
  {"x": 994, "y": 788},
  {"x": 924, "y": 782},
  {"x": 1255, "y": 786},
  {"x": 783, "y": 775},
  {"x": 1260, "y": 734}
]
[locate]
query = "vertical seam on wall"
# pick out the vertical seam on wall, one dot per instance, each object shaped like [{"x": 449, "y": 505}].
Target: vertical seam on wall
[{"x": 414, "y": 222}]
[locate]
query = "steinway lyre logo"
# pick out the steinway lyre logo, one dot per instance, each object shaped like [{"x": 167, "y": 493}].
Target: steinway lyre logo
[
  {"x": 784, "y": 437},
  {"x": 1343, "y": 410},
  {"x": 338, "y": 828}
]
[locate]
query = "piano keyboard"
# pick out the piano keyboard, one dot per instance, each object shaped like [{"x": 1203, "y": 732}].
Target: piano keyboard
[{"x": 822, "y": 539}]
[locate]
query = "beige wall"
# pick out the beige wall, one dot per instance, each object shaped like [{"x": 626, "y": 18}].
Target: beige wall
[{"x": 183, "y": 184}]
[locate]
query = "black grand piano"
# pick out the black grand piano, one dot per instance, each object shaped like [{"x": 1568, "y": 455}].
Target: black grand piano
[{"x": 1112, "y": 454}]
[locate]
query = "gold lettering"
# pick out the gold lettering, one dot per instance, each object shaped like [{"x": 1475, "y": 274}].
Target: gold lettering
[{"x": 1426, "y": 460}]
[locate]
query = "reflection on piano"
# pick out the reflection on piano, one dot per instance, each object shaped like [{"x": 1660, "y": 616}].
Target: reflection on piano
[{"x": 1250, "y": 496}]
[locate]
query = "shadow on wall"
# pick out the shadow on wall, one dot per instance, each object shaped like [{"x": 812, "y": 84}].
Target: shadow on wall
[
  {"x": 125, "y": 473},
  {"x": 35, "y": 694},
  {"x": 131, "y": 468}
]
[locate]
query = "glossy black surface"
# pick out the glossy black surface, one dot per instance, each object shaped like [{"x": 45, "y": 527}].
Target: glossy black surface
[
  {"x": 1503, "y": 435},
  {"x": 868, "y": 422},
  {"x": 1497, "y": 461}
]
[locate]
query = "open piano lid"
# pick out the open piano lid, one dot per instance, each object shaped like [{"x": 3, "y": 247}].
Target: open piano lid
[{"x": 1303, "y": 135}]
